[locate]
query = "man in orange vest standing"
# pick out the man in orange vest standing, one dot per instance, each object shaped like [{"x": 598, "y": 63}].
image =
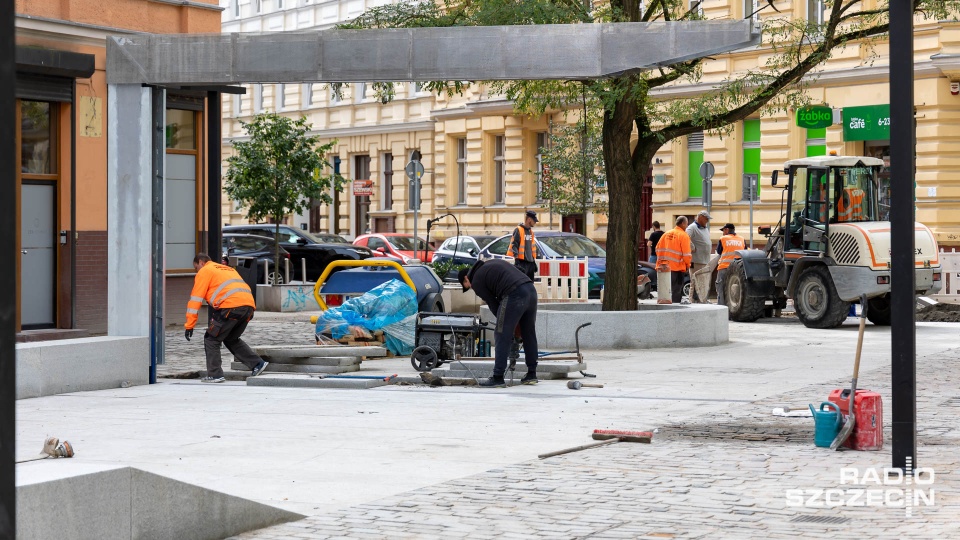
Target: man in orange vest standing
[
  {"x": 730, "y": 243},
  {"x": 674, "y": 256},
  {"x": 232, "y": 303},
  {"x": 523, "y": 246}
]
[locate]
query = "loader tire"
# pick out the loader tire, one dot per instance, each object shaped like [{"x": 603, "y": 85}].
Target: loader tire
[
  {"x": 742, "y": 308},
  {"x": 878, "y": 310},
  {"x": 816, "y": 300}
]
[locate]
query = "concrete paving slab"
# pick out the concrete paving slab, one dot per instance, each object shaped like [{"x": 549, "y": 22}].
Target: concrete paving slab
[
  {"x": 318, "y": 351},
  {"x": 303, "y": 368},
  {"x": 298, "y": 381},
  {"x": 315, "y": 361}
]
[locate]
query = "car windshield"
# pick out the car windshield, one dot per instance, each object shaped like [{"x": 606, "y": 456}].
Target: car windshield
[
  {"x": 405, "y": 243},
  {"x": 573, "y": 246},
  {"x": 330, "y": 239}
]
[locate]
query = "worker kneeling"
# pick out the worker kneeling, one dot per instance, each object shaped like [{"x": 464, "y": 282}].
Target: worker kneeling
[{"x": 511, "y": 296}]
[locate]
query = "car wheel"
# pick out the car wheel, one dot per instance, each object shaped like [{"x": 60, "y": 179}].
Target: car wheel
[{"x": 817, "y": 302}]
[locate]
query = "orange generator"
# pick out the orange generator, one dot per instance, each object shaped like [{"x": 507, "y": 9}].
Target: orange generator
[{"x": 868, "y": 408}]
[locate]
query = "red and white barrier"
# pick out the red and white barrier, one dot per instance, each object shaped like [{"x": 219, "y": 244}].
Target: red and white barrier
[
  {"x": 950, "y": 293},
  {"x": 563, "y": 280}
]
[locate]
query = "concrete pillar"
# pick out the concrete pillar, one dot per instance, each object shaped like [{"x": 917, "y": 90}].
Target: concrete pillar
[{"x": 129, "y": 211}]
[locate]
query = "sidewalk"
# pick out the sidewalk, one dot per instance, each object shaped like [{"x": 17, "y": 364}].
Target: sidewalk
[{"x": 418, "y": 462}]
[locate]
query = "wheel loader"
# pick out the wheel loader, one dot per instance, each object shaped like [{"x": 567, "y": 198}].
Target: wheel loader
[{"x": 829, "y": 247}]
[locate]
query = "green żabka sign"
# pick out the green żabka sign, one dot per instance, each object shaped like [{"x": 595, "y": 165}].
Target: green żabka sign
[
  {"x": 868, "y": 123},
  {"x": 814, "y": 117}
]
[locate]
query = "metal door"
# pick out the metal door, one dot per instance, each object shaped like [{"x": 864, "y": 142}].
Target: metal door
[{"x": 38, "y": 260}]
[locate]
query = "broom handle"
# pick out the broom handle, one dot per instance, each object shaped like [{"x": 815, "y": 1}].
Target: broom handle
[
  {"x": 577, "y": 448},
  {"x": 856, "y": 362}
]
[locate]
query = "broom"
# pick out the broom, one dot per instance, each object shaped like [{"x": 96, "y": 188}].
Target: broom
[{"x": 851, "y": 422}]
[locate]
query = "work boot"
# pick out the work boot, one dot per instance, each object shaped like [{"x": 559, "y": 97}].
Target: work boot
[
  {"x": 494, "y": 382},
  {"x": 530, "y": 378}
]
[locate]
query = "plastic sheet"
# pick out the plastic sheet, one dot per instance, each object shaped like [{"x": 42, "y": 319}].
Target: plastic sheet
[{"x": 377, "y": 309}]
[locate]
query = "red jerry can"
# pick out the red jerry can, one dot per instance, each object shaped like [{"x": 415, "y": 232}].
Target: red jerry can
[{"x": 868, "y": 431}]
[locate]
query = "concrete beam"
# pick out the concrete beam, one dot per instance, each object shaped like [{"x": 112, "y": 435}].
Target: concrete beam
[{"x": 532, "y": 52}]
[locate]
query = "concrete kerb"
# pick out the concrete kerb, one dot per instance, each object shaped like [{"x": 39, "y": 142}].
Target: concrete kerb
[{"x": 651, "y": 326}]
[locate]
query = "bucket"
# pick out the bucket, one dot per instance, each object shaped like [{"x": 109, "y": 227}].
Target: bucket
[{"x": 827, "y": 424}]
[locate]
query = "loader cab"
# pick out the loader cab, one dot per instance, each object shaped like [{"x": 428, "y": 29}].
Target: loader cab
[{"x": 824, "y": 190}]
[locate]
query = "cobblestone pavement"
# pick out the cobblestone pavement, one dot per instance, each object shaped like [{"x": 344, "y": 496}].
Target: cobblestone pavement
[
  {"x": 727, "y": 475},
  {"x": 185, "y": 359}
]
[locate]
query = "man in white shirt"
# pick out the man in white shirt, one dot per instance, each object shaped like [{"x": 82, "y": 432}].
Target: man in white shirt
[{"x": 700, "y": 246}]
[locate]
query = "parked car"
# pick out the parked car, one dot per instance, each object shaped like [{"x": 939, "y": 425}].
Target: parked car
[
  {"x": 557, "y": 244},
  {"x": 395, "y": 245},
  {"x": 304, "y": 246},
  {"x": 251, "y": 251},
  {"x": 462, "y": 249}
]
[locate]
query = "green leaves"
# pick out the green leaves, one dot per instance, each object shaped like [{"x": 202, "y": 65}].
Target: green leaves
[
  {"x": 574, "y": 178},
  {"x": 280, "y": 169}
]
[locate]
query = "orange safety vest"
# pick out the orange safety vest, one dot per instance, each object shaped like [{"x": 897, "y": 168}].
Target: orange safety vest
[
  {"x": 524, "y": 240},
  {"x": 731, "y": 244},
  {"x": 673, "y": 250},
  {"x": 850, "y": 205},
  {"x": 221, "y": 286}
]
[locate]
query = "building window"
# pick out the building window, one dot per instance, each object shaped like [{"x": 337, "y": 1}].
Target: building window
[
  {"x": 258, "y": 4},
  {"x": 751, "y": 155},
  {"x": 543, "y": 139},
  {"x": 361, "y": 89},
  {"x": 387, "y": 196},
  {"x": 751, "y": 8},
  {"x": 335, "y": 195},
  {"x": 236, "y": 9},
  {"x": 258, "y": 99},
  {"x": 694, "y": 160},
  {"x": 307, "y": 94},
  {"x": 279, "y": 4},
  {"x": 237, "y": 105},
  {"x": 180, "y": 186},
  {"x": 334, "y": 98},
  {"x": 499, "y": 172},
  {"x": 815, "y": 10},
  {"x": 696, "y": 6},
  {"x": 281, "y": 96},
  {"x": 462, "y": 171}
]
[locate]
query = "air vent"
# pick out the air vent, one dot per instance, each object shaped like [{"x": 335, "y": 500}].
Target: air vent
[
  {"x": 826, "y": 520},
  {"x": 845, "y": 249},
  {"x": 695, "y": 141}
]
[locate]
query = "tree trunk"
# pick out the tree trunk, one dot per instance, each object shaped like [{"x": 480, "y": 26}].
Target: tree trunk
[{"x": 620, "y": 287}]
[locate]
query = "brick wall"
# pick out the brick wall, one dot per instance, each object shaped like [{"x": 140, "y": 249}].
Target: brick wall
[{"x": 91, "y": 294}]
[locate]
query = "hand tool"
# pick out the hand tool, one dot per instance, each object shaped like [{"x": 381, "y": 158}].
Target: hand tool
[
  {"x": 606, "y": 436},
  {"x": 848, "y": 426},
  {"x": 576, "y": 385}
]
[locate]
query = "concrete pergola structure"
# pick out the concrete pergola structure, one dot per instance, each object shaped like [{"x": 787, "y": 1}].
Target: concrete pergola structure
[{"x": 140, "y": 67}]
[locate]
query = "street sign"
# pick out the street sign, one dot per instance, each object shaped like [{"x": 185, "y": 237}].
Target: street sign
[
  {"x": 414, "y": 170},
  {"x": 706, "y": 170},
  {"x": 363, "y": 188}
]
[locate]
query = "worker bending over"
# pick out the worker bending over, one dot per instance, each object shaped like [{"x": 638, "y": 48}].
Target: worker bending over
[
  {"x": 511, "y": 296},
  {"x": 232, "y": 303}
]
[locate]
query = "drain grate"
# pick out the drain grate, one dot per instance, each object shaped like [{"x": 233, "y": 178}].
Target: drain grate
[{"x": 831, "y": 520}]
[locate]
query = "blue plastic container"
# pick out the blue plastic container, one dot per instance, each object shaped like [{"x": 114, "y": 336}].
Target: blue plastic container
[{"x": 827, "y": 424}]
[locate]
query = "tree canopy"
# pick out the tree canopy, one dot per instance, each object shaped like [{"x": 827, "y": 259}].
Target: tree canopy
[
  {"x": 793, "y": 49},
  {"x": 279, "y": 170}
]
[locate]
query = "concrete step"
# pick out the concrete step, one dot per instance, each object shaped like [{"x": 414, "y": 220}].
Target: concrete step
[
  {"x": 317, "y": 351},
  {"x": 288, "y": 368},
  {"x": 317, "y": 361},
  {"x": 306, "y": 381}
]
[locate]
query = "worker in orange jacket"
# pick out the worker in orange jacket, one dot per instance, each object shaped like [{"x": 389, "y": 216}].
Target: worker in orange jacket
[
  {"x": 730, "y": 243},
  {"x": 232, "y": 307},
  {"x": 674, "y": 256}
]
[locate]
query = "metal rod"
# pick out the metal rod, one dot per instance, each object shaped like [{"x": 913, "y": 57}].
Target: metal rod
[
  {"x": 72, "y": 235},
  {"x": 903, "y": 335},
  {"x": 303, "y": 269},
  {"x": 266, "y": 272},
  {"x": 8, "y": 274}
]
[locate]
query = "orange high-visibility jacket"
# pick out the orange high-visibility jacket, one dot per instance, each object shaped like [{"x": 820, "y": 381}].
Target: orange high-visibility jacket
[
  {"x": 673, "y": 250},
  {"x": 222, "y": 288},
  {"x": 522, "y": 239},
  {"x": 731, "y": 244},
  {"x": 850, "y": 205}
]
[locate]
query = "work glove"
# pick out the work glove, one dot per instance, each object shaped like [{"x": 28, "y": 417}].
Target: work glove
[{"x": 188, "y": 333}]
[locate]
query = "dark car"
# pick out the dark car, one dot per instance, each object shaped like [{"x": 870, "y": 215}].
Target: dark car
[
  {"x": 645, "y": 292},
  {"x": 250, "y": 251},
  {"x": 304, "y": 246}
]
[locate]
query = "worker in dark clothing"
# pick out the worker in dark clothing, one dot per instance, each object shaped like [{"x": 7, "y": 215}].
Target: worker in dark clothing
[{"x": 511, "y": 296}]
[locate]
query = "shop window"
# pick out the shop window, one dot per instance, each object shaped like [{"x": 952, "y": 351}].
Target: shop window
[
  {"x": 38, "y": 138},
  {"x": 816, "y": 142},
  {"x": 815, "y": 11},
  {"x": 694, "y": 160},
  {"x": 181, "y": 191},
  {"x": 751, "y": 155},
  {"x": 499, "y": 169}
]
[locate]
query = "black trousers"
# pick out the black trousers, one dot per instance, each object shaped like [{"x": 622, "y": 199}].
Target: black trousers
[
  {"x": 518, "y": 309},
  {"x": 527, "y": 267},
  {"x": 226, "y": 327},
  {"x": 676, "y": 286}
]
